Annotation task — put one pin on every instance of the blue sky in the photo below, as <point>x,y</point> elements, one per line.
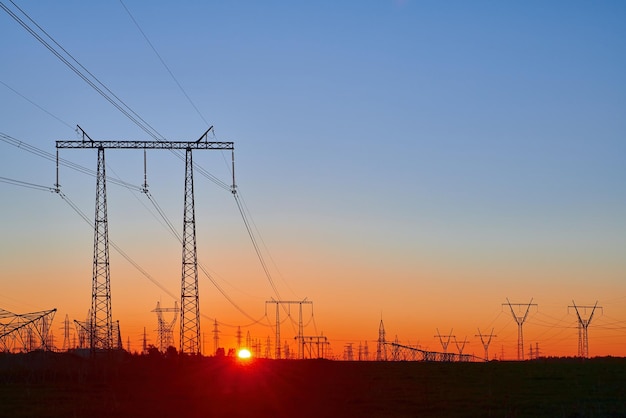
<point>383,148</point>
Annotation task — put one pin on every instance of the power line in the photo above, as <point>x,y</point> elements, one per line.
<point>66,163</point>
<point>26,184</point>
<point>164,63</point>
<point>89,78</point>
<point>36,105</point>
<point>119,104</point>
<point>41,153</point>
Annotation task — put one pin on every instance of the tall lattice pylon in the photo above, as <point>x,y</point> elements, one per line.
<point>101,322</point>
<point>189,300</point>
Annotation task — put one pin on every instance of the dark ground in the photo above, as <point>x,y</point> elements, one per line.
<point>64,385</point>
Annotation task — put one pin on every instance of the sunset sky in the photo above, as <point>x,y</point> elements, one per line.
<point>415,161</point>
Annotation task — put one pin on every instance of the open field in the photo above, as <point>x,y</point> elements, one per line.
<point>64,385</point>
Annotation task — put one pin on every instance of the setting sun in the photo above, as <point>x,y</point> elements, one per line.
<point>244,353</point>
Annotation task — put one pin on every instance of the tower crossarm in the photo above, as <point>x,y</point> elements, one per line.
<point>584,308</point>
<point>146,144</point>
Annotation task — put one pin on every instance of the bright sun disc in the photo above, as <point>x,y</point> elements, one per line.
<point>244,353</point>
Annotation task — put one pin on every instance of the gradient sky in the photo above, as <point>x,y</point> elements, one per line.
<point>418,161</point>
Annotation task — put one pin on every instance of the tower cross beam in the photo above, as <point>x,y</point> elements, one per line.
<point>182,145</point>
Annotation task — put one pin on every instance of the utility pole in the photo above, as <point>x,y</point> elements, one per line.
<point>583,326</point>
<point>485,343</point>
<point>278,303</point>
<point>520,319</point>
<point>101,323</point>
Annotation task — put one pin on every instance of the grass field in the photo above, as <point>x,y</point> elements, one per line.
<point>64,385</point>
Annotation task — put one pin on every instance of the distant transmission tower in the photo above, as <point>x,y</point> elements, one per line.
<point>216,337</point>
<point>144,342</point>
<point>520,319</point>
<point>248,341</point>
<point>268,348</point>
<point>66,333</point>
<point>101,325</point>
<point>165,329</point>
<point>583,326</point>
<point>486,343</point>
<point>460,346</point>
<point>278,303</point>
<point>444,344</point>
<point>381,347</point>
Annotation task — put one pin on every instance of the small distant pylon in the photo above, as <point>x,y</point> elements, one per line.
<point>583,326</point>
<point>486,343</point>
<point>520,319</point>
<point>348,353</point>
<point>381,348</point>
<point>66,333</point>
<point>395,351</point>
<point>268,348</point>
<point>248,340</point>
<point>216,337</point>
<point>144,342</point>
<point>165,329</point>
<point>238,338</point>
<point>444,344</point>
<point>460,346</point>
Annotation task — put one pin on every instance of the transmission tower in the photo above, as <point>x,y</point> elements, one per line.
<point>381,347</point>
<point>101,324</point>
<point>460,346</point>
<point>248,341</point>
<point>216,337</point>
<point>268,347</point>
<point>144,342</point>
<point>189,298</point>
<point>583,326</point>
<point>165,329</point>
<point>520,319</point>
<point>444,344</point>
<point>30,330</point>
<point>486,343</point>
<point>238,337</point>
<point>278,304</point>
<point>66,333</point>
